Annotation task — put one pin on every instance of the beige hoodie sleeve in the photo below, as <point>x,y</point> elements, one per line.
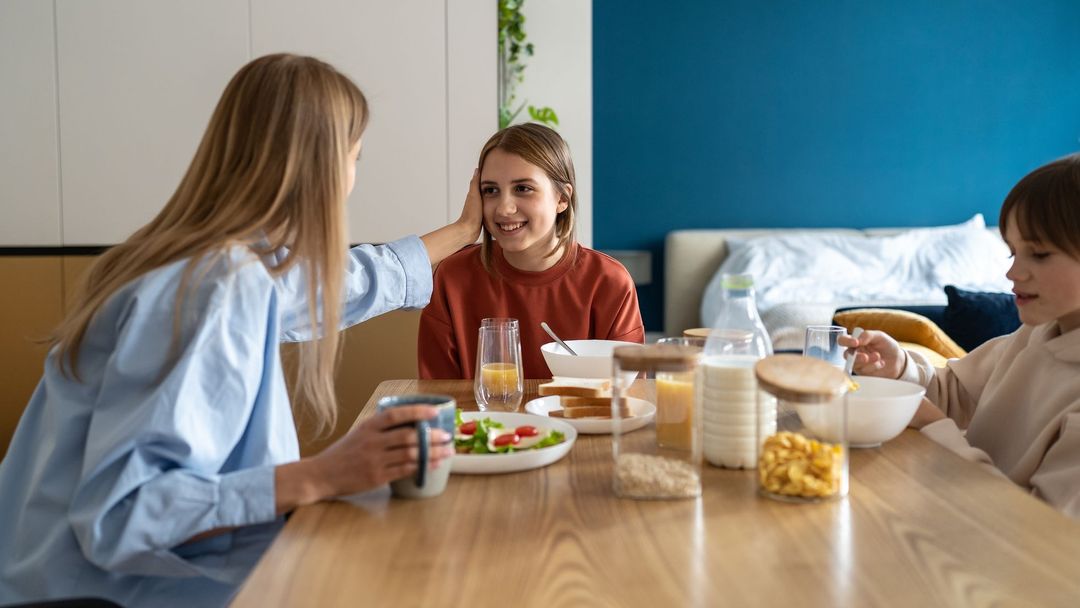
<point>1057,480</point>
<point>945,433</point>
<point>956,388</point>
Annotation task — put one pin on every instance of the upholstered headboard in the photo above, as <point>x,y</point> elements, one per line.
<point>692,257</point>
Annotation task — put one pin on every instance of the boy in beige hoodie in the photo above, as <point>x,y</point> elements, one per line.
<point>1014,402</point>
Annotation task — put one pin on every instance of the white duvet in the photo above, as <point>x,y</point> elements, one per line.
<point>802,278</point>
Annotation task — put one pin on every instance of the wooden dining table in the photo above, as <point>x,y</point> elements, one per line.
<point>920,527</point>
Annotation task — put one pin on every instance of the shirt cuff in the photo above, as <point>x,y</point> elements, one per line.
<point>418,276</point>
<point>246,497</point>
<point>917,368</point>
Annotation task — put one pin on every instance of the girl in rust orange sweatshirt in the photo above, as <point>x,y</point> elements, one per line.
<point>528,265</point>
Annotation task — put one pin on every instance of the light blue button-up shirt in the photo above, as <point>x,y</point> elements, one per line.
<point>106,478</point>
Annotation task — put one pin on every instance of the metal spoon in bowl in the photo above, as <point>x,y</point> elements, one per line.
<point>556,338</point>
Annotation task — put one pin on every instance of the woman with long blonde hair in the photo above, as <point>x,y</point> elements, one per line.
<point>158,454</point>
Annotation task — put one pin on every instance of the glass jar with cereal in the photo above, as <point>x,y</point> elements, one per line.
<point>660,459</point>
<point>802,454</point>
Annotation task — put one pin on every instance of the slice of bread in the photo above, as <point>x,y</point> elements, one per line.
<point>576,387</point>
<point>568,401</point>
<point>599,407</point>
<point>593,411</point>
<point>589,411</point>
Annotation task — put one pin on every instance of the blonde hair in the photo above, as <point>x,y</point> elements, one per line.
<point>270,172</point>
<point>543,147</point>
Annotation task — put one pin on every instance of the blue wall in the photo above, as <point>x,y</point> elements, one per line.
<point>821,113</point>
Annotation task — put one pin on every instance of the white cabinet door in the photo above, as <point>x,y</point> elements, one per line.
<point>472,104</point>
<point>138,81</point>
<point>396,52</point>
<point>29,176</point>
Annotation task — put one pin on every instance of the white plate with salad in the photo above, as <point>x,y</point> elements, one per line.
<point>501,442</point>
<point>642,412</point>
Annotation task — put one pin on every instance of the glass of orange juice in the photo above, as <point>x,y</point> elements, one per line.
<point>498,381</point>
<point>675,401</point>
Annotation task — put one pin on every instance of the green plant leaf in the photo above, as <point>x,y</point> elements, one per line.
<point>511,48</point>
<point>544,115</point>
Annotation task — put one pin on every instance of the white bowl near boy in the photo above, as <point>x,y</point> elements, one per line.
<point>878,411</point>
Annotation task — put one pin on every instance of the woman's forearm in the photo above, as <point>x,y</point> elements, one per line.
<point>297,484</point>
<point>446,240</point>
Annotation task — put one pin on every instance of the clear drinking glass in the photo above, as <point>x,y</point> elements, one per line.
<point>675,416</point>
<point>821,343</point>
<point>497,384</point>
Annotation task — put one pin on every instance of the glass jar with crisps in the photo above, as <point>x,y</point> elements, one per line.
<point>802,454</point>
<point>662,457</point>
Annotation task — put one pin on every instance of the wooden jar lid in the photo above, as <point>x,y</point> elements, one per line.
<point>800,379</point>
<point>657,358</point>
<point>697,332</point>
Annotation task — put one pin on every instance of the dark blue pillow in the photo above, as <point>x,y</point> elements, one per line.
<point>973,317</point>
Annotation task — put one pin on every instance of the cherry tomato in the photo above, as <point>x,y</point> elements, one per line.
<point>526,431</point>
<point>507,439</point>
<point>467,428</point>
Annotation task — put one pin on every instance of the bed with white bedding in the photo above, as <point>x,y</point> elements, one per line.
<point>803,275</point>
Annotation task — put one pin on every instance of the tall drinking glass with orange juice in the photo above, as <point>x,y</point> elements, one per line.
<point>497,384</point>
<point>675,402</point>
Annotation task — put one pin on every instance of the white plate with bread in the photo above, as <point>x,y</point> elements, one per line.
<point>585,404</point>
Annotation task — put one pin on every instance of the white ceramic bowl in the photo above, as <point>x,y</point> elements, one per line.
<point>593,358</point>
<point>878,411</point>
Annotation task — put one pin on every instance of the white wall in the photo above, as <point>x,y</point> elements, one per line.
<point>29,171</point>
<point>138,81</point>
<point>97,134</point>
<point>559,75</point>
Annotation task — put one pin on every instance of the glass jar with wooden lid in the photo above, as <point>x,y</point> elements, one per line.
<point>697,332</point>
<point>802,453</point>
<point>662,457</point>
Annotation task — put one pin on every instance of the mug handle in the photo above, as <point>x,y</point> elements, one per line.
<point>423,436</point>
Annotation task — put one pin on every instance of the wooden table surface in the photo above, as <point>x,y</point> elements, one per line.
<point>921,527</point>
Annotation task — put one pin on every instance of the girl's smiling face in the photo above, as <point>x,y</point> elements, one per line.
<point>1046,281</point>
<point>520,207</point>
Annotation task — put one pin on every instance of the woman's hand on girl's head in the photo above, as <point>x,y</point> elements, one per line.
<point>876,354</point>
<point>463,232</point>
<point>472,213</point>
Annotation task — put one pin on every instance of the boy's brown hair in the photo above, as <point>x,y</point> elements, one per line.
<point>1046,205</point>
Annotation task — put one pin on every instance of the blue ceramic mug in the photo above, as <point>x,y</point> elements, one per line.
<point>426,483</point>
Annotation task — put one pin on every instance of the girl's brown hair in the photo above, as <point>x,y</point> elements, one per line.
<point>269,173</point>
<point>543,147</point>
<point>1046,205</point>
